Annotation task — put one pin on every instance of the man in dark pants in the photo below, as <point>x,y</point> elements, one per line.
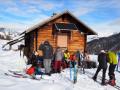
<point>102,59</point>
<point>111,71</point>
<point>113,62</point>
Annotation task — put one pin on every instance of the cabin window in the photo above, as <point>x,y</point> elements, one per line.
<point>65,26</point>
<point>62,41</point>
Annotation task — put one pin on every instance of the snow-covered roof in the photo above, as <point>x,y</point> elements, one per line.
<point>56,16</point>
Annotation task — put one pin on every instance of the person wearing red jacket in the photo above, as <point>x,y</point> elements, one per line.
<point>73,59</point>
<point>31,70</point>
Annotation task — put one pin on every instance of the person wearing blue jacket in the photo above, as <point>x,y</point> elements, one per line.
<point>47,50</point>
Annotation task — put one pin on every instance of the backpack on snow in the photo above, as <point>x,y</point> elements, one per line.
<point>31,70</point>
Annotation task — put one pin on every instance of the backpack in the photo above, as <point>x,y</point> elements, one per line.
<point>31,70</point>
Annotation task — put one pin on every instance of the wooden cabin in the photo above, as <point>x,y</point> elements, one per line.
<point>61,30</point>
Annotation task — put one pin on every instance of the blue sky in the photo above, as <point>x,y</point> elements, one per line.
<point>103,16</point>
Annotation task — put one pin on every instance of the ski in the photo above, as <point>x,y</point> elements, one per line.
<point>17,73</point>
<point>99,77</point>
<point>22,75</point>
<point>17,76</point>
<point>70,70</point>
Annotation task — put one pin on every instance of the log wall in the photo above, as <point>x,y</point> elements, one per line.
<point>76,40</point>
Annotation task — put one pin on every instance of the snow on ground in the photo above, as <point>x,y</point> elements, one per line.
<point>10,60</point>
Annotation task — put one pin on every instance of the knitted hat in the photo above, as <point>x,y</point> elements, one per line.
<point>102,51</point>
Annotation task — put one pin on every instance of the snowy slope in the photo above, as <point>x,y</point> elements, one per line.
<point>10,60</point>
<point>4,32</point>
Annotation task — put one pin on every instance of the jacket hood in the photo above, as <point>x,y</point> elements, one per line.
<point>46,43</point>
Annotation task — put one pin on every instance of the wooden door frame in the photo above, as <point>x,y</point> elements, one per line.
<point>62,34</point>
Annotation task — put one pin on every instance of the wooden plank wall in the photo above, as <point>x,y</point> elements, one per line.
<point>77,41</point>
<point>45,33</point>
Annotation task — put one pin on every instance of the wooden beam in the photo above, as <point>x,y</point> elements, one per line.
<point>14,41</point>
<point>85,42</point>
<point>36,36</point>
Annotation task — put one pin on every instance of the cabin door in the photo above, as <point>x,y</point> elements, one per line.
<point>62,40</point>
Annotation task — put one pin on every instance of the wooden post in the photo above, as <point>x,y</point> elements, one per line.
<point>85,42</point>
<point>36,34</point>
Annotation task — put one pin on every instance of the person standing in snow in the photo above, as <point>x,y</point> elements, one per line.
<point>66,58</point>
<point>113,62</point>
<point>58,60</point>
<point>79,57</point>
<point>102,59</point>
<point>47,50</point>
<point>87,60</point>
<point>73,59</point>
<point>118,65</point>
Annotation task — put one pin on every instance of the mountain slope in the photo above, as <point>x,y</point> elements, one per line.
<point>7,34</point>
<point>107,43</point>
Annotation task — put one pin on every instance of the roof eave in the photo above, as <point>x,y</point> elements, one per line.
<point>44,22</point>
<point>92,32</point>
<point>56,16</point>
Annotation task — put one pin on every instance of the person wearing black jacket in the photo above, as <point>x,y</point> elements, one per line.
<point>47,50</point>
<point>102,59</point>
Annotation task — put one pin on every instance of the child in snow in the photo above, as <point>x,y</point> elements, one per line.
<point>35,69</point>
<point>38,72</point>
<point>31,71</point>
